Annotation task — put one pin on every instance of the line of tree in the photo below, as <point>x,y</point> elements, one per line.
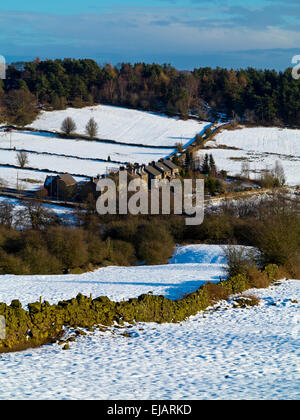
<point>34,240</point>
<point>256,96</point>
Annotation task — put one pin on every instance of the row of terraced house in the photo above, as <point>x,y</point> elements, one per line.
<point>65,187</point>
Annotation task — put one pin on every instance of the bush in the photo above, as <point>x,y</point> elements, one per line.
<point>123,253</point>
<point>272,272</point>
<point>216,292</point>
<point>257,279</point>
<point>10,264</point>
<point>68,245</point>
<point>155,245</point>
<point>236,284</point>
<point>20,107</point>
<point>97,251</point>
<point>278,240</point>
<point>239,260</point>
<point>40,261</point>
<point>246,301</point>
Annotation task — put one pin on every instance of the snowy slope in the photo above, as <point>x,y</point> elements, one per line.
<point>232,162</point>
<point>229,353</point>
<point>263,139</point>
<point>125,125</point>
<point>57,163</point>
<point>173,280</point>
<point>261,147</point>
<point>225,354</point>
<point>46,143</point>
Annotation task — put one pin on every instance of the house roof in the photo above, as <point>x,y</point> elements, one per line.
<point>67,179</point>
<point>162,167</point>
<point>151,170</point>
<point>170,164</point>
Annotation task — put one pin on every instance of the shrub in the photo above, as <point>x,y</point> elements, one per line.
<point>239,260</point>
<point>20,107</point>
<point>123,253</point>
<point>97,250</point>
<point>155,245</point>
<point>40,261</point>
<point>278,240</point>
<point>257,279</point>
<point>272,272</point>
<point>154,252</point>
<point>246,301</point>
<point>10,264</point>
<point>216,292</point>
<point>236,284</point>
<point>68,245</point>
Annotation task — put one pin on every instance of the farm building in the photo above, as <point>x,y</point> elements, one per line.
<point>62,187</point>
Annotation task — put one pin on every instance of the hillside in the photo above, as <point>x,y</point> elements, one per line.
<point>125,125</point>
<point>260,147</point>
<point>220,354</point>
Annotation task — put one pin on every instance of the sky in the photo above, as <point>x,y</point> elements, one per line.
<point>184,33</point>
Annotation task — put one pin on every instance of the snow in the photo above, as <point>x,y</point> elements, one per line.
<point>125,125</point>
<point>9,177</point>
<point>82,158</point>
<point>232,161</point>
<point>173,280</point>
<point>220,354</point>
<point>261,147</point>
<point>58,164</point>
<point>263,139</point>
<point>86,149</point>
<point>64,213</point>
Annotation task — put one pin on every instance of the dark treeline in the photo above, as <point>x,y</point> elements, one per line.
<point>255,96</point>
<point>33,240</point>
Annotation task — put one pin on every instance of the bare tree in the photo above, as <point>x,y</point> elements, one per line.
<point>279,173</point>
<point>6,214</point>
<point>68,126</point>
<point>246,169</point>
<point>22,159</point>
<point>179,147</point>
<point>92,128</point>
<point>35,215</point>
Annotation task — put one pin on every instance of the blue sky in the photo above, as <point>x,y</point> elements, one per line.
<point>186,33</point>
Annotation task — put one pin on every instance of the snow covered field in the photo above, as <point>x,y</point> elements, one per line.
<point>198,264</point>
<point>261,147</point>
<point>263,139</point>
<point>77,157</point>
<point>47,143</point>
<point>125,125</point>
<point>59,164</point>
<point>228,353</point>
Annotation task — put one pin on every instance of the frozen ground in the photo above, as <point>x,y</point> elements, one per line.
<point>198,264</point>
<point>263,139</point>
<point>25,178</point>
<point>125,125</point>
<point>229,353</point>
<point>46,143</point>
<point>58,164</point>
<point>261,147</point>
